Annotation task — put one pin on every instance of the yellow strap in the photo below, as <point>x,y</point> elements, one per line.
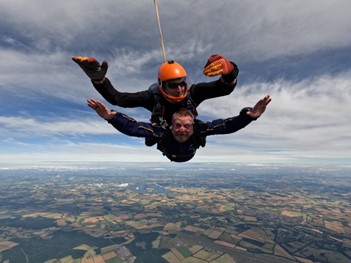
<point>159,28</point>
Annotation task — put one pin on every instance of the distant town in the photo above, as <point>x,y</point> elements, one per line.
<point>201,215</point>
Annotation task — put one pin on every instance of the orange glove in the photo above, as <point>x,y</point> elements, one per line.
<point>217,65</point>
<point>92,67</point>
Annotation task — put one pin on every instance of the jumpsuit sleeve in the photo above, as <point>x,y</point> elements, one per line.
<point>125,99</point>
<point>208,90</point>
<point>225,126</point>
<point>131,127</point>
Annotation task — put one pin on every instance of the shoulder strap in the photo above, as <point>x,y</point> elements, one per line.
<point>191,105</point>
<point>158,109</point>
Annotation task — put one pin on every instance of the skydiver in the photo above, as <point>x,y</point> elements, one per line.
<point>170,93</point>
<point>180,142</point>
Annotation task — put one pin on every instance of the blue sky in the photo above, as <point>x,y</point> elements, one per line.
<point>299,52</point>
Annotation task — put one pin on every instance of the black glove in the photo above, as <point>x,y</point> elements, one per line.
<point>92,67</point>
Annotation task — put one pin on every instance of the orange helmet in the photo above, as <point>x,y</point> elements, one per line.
<point>171,70</point>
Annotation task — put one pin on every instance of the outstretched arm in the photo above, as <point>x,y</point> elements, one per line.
<point>124,99</point>
<point>259,108</point>
<point>101,109</point>
<point>124,123</point>
<point>233,124</point>
<point>96,72</point>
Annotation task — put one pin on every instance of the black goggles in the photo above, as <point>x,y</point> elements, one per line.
<point>175,85</point>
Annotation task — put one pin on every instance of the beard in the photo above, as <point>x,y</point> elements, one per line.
<point>181,137</point>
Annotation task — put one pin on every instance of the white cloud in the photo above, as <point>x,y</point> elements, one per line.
<point>84,152</point>
<point>307,118</point>
<point>29,127</point>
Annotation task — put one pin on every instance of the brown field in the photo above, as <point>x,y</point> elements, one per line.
<point>178,255</point>
<point>225,258</point>
<point>335,226</point>
<point>109,255</point>
<point>226,244</point>
<point>5,245</point>
<point>193,229</point>
<point>172,227</point>
<point>240,248</point>
<point>291,213</point>
<point>195,248</point>
<point>258,235</point>
<point>249,218</point>
<point>44,214</point>
<point>214,233</point>
<point>171,258</point>
<point>94,219</point>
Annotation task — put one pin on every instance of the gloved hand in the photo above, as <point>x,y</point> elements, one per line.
<point>217,65</point>
<point>92,67</point>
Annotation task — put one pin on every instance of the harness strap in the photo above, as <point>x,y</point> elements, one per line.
<point>157,115</point>
<point>190,105</point>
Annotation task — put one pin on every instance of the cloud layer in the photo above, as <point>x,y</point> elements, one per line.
<point>298,52</point>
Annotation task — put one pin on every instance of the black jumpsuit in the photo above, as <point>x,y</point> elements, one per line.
<point>198,93</point>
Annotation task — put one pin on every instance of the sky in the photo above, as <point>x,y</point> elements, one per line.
<point>298,52</point>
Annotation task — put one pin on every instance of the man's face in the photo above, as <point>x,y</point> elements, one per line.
<point>182,128</point>
<point>176,87</point>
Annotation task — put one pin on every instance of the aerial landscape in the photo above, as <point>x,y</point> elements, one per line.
<point>196,213</point>
<point>83,82</point>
